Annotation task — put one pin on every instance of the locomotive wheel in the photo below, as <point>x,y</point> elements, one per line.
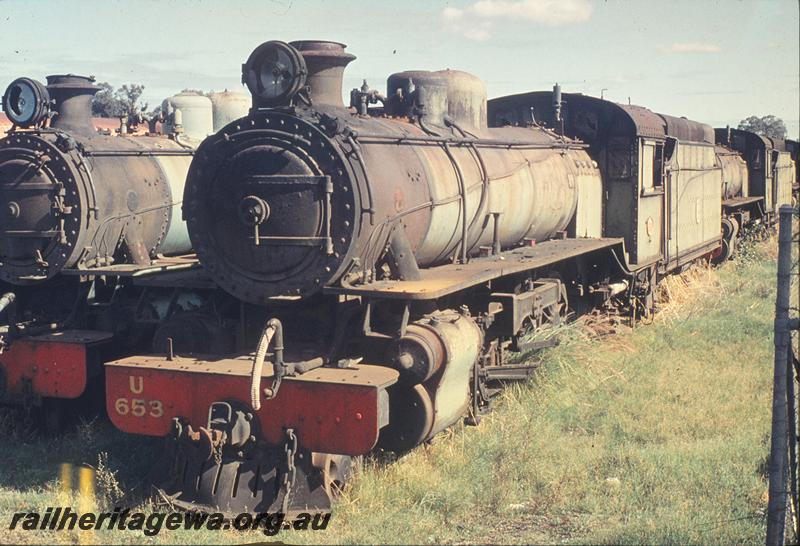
<point>556,314</point>
<point>411,418</point>
<point>336,470</point>
<point>723,254</point>
<point>729,230</point>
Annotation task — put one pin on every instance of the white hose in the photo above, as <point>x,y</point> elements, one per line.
<point>258,364</point>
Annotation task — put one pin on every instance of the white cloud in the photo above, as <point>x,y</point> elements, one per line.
<point>452,14</point>
<point>476,21</point>
<point>691,47</point>
<point>543,12</point>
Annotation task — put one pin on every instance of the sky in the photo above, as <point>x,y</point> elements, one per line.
<point>714,61</point>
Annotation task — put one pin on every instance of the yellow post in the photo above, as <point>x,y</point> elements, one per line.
<point>85,499</point>
<point>85,489</point>
<point>65,478</point>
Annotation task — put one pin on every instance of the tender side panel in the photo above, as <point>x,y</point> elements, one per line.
<point>695,202</point>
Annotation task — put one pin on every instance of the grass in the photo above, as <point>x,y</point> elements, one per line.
<point>654,435</point>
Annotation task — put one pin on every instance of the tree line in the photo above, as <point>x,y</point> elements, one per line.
<point>111,102</point>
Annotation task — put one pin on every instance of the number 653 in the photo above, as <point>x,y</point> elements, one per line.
<point>139,407</point>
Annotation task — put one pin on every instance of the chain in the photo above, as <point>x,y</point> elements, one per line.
<point>289,476</point>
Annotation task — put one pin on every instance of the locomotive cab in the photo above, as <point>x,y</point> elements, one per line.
<point>660,173</point>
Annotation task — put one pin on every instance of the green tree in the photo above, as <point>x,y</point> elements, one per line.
<point>105,103</point>
<point>114,103</point>
<point>129,95</point>
<point>198,92</point>
<point>770,126</point>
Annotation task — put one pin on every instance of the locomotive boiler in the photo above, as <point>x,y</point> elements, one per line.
<point>73,200</point>
<point>291,200</point>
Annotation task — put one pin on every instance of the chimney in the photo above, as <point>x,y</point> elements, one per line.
<point>73,102</point>
<point>325,62</point>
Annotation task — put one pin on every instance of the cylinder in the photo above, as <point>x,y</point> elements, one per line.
<point>447,344</point>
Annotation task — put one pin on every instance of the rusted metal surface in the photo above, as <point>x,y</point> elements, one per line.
<point>52,365</point>
<point>334,410</point>
<point>73,101</point>
<point>771,170</point>
<point>253,477</point>
<point>73,198</point>
<point>458,95</point>
<point>646,122</point>
<point>189,278</point>
<point>160,264</point>
<point>694,200</point>
<point>326,62</point>
<point>436,354</point>
<point>436,282</point>
<point>633,146</point>
<point>687,130</point>
<point>736,202</point>
<point>734,173</point>
<point>449,182</point>
<point>612,117</point>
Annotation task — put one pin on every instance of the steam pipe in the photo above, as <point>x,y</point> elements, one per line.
<point>6,300</point>
<point>463,190</point>
<point>557,102</point>
<point>273,328</point>
<point>482,142</point>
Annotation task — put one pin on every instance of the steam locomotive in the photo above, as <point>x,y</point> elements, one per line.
<point>82,215</point>
<point>389,256</point>
<point>384,259</point>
